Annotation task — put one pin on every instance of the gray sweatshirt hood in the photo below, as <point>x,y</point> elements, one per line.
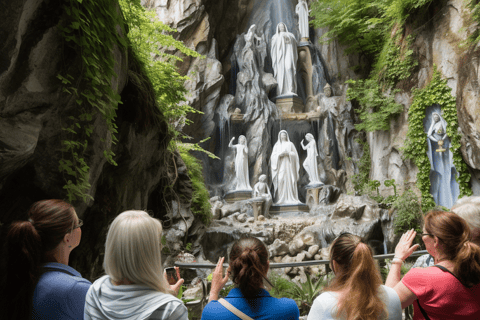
<point>107,301</point>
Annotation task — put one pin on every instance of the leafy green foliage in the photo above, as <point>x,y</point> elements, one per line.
<point>409,213</point>
<point>360,179</point>
<point>201,206</point>
<point>359,24</point>
<point>90,29</point>
<point>474,6</point>
<point>306,293</point>
<point>436,92</point>
<point>376,108</point>
<point>150,38</point>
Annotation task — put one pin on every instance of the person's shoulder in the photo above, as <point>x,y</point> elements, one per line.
<point>287,307</point>
<point>173,309</point>
<point>215,310</point>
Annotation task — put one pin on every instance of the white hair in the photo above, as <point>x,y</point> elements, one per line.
<point>469,209</point>
<point>133,250</point>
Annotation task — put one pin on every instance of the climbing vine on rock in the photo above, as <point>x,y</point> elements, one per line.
<point>89,28</point>
<point>436,92</point>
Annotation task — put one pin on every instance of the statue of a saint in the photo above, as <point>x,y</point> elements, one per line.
<point>241,163</point>
<point>262,190</point>
<point>285,167</point>
<point>443,185</point>
<point>284,60</point>
<point>310,163</point>
<point>438,131</point>
<point>302,11</point>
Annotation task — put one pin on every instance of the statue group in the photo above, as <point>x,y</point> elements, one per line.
<point>284,166</point>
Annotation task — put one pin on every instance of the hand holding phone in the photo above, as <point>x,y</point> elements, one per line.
<point>172,276</point>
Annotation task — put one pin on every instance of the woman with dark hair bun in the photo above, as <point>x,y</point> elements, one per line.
<point>249,300</point>
<point>356,292</point>
<point>38,283</point>
<point>451,288</point>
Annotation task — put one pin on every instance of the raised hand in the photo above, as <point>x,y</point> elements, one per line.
<point>218,280</point>
<point>404,247</point>
<point>175,287</point>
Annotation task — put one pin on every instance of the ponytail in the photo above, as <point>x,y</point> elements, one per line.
<point>467,264</point>
<point>28,244</point>
<point>249,265</point>
<point>358,275</point>
<point>454,233</point>
<point>23,257</point>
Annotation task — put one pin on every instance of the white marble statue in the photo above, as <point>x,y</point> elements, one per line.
<point>285,168</point>
<point>262,190</point>
<point>302,11</point>
<point>284,60</point>
<point>241,163</point>
<point>310,164</point>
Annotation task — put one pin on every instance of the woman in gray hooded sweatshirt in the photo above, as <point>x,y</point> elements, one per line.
<point>134,287</point>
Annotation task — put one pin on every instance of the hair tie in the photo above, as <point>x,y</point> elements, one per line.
<point>30,220</point>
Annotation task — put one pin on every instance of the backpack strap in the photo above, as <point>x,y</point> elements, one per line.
<point>234,310</point>
<point>425,315</point>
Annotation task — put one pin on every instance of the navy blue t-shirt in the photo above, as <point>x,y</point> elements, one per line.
<point>60,293</point>
<point>262,307</point>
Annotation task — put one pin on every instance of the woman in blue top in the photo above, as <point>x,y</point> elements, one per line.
<point>248,267</point>
<point>38,283</point>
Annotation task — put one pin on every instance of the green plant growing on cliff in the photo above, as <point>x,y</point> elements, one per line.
<point>436,92</point>
<point>408,213</point>
<point>94,29</point>
<point>360,179</point>
<point>201,206</point>
<point>90,29</point>
<point>474,7</point>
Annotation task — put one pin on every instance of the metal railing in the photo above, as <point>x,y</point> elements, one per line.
<point>290,264</point>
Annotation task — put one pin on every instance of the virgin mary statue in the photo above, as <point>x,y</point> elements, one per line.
<point>285,167</point>
<point>284,60</point>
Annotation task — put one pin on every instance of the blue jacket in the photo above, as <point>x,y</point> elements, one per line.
<point>262,307</point>
<point>60,293</point>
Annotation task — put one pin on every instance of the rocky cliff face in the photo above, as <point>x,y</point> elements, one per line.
<point>438,42</point>
<point>33,110</point>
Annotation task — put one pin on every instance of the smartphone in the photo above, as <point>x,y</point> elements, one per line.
<point>171,275</point>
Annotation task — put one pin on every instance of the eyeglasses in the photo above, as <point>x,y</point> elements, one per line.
<point>79,224</point>
<point>427,234</point>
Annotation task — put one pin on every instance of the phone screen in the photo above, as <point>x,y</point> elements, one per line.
<point>171,275</point>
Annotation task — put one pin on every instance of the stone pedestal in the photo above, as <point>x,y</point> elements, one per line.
<point>257,205</point>
<point>313,193</point>
<point>236,117</point>
<point>289,104</point>
<point>237,195</point>
<point>300,207</point>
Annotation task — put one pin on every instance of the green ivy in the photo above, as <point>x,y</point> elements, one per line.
<point>201,206</point>
<point>408,213</point>
<point>89,28</point>
<point>474,6</point>
<point>360,179</point>
<point>436,92</point>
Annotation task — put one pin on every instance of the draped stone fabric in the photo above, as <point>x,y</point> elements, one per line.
<point>302,11</point>
<point>310,163</point>
<point>241,164</point>
<point>284,60</point>
<point>285,168</point>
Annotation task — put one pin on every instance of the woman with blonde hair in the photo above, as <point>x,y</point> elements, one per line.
<point>356,292</point>
<point>451,288</point>
<point>135,286</point>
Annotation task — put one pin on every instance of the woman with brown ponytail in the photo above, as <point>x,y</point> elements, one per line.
<point>38,283</point>
<point>356,292</point>
<point>249,300</point>
<point>450,289</point>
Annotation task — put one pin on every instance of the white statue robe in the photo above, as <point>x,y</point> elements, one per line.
<point>302,11</point>
<point>285,171</point>
<point>284,60</point>
<point>241,167</point>
<point>310,163</point>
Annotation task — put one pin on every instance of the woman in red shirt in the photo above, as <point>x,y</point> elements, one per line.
<point>450,289</point>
